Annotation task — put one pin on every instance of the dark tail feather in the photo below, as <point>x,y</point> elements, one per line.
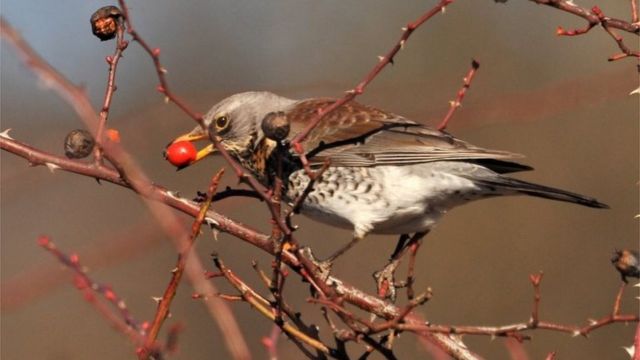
<point>541,191</point>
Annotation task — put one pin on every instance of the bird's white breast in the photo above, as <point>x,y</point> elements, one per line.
<point>382,199</point>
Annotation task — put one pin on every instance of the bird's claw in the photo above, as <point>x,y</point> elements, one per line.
<point>323,267</point>
<point>386,282</point>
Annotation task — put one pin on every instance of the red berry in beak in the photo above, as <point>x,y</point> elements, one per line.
<point>180,153</point>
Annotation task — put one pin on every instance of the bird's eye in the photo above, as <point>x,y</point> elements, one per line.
<point>221,123</point>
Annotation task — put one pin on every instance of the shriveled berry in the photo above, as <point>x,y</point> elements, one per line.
<point>78,144</point>
<point>105,22</point>
<point>627,262</point>
<point>180,153</point>
<point>275,126</point>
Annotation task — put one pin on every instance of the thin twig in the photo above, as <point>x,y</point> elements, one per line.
<point>122,321</point>
<point>260,304</point>
<point>168,221</point>
<point>596,17</point>
<point>455,104</point>
<point>296,142</point>
<point>112,61</point>
<point>154,53</point>
<point>164,304</point>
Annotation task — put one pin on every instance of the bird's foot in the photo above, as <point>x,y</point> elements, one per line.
<point>323,267</point>
<point>386,282</point>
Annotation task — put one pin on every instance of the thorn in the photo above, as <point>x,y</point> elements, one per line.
<point>167,100</point>
<point>402,44</point>
<point>404,28</point>
<point>174,270</point>
<point>380,58</point>
<point>443,9</point>
<point>52,167</point>
<point>5,134</point>
<point>163,70</point>
<point>122,305</point>
<point>215,234</point>
<point>570,2</point>
<point>630,350</point>
<point>157,299</point>
<point>636,91</point>
<point>575,333</point>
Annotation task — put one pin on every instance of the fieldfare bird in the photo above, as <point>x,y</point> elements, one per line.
<point>387,174</point>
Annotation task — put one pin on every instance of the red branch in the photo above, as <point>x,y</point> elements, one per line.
<point>112,61</point>
<point>455,104</point>
<point>154,53</point>
<point>333,291</point>
<point>595,17</point>
<point>347,292</point>
<point>359,89</point>
<point>162,312</point>
<point>516,330</point>
<point>126,173</point>
<point>84,283</point>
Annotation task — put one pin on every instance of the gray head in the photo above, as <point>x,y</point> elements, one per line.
<point>236,121</point>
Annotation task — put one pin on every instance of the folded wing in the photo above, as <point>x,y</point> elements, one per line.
<point>358,135</point>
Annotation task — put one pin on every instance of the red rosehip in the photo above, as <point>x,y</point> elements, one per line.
<point>180,153</point>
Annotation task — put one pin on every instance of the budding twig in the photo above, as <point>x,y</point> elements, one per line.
<point>164,304</point>
<point>455,104</point>
<point>112,61</point>
<point>123,321</point>
<point>359,89</point>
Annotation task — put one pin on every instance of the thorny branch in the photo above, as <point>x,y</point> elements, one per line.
<point>164,303</point>
<point>124,172</point>
<point>534,322</point>
<point>455,104</point>
<point>333,293</point>
<point>264,307</point>
<point>348,293</point>
<point>83,282</point>
<point>596,17</point>
<point>112,61</point>
<point>359,89</point>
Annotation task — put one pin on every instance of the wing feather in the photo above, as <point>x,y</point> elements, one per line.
<point>358,135</point>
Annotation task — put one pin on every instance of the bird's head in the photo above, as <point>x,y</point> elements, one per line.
<point>235,122</point>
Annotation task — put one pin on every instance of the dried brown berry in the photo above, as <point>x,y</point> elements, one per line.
<point>105,22</point>
<point>275,126</point>
<point>78,144</point>
<point>627,263</point>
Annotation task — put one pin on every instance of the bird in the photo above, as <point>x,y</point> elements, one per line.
<point>386,174</point>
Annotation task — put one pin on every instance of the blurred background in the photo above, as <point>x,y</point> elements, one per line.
<point>555,99</point>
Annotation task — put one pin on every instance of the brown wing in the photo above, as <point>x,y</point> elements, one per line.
<point>358,135</point>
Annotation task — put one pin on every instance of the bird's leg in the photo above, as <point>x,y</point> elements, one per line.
<point>325,265</point>
<point>344,249</point>
<point>385,278</point>
<point>400,246</point>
